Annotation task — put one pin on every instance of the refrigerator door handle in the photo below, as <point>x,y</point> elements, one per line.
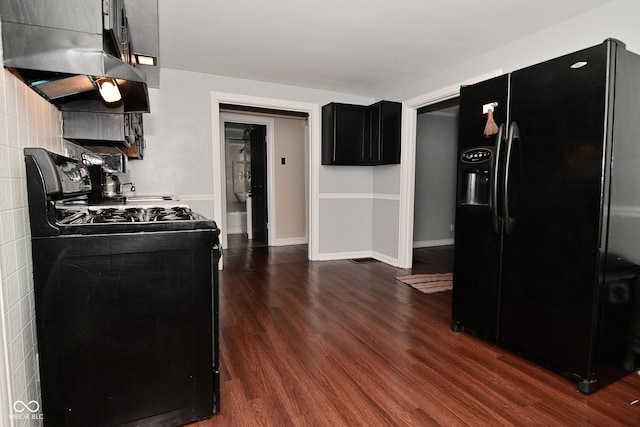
<point>513,136</point>
<point>493,196</point>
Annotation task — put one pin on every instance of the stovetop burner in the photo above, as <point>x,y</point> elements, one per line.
<point>109,215</point>
<point>175,214</point>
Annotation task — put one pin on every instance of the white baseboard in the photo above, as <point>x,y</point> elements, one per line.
<point>430,243</point>
<point>290,241</point>
<point>333,256</point>
<point>385,258</point>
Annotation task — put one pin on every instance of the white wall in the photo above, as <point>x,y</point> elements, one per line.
<point>619,19</point>
<point>290,182</point>
<point>386,201</point>
<point>178,154</point>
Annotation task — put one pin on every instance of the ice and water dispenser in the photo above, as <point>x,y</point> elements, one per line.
<point>475,169</point>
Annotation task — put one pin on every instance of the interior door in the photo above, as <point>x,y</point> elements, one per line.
<point>554,200</point>
<point>259,216</point>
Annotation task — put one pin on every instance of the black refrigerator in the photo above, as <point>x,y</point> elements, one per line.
<point>547,235</point>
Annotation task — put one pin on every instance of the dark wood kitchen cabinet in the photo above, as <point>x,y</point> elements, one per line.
<point>343,134</point>
<point>358,135</point>
<point>385,124</point>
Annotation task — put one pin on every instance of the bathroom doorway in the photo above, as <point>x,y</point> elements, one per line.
<point>275,213</point>
<point>246,183</point>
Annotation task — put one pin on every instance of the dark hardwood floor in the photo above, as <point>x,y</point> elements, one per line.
<point>339,343</point>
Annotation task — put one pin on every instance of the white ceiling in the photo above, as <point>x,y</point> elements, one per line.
<point>363,47</point>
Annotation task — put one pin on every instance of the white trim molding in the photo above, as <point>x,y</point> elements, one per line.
<point>432,243</point>
<point>291,241</point>
<point>314,121</point>
<point>195,197</point>
<point>385,258</point>
<point>624,211</point>
<point>372,196</point>
<point>332,256</point>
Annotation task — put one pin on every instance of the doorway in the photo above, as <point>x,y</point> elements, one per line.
<point>435,179</point>
<point>264,157</point>
<point>408,164</point>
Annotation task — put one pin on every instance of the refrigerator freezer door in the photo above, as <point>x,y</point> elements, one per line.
<point>477,250</point>
<point>550,254</point>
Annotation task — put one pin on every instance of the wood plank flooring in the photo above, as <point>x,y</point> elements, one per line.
<point>338,343</point>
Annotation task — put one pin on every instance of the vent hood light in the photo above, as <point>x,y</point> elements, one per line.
<point>109,90</point>
<point>146,60</point>
<point>579,64</point>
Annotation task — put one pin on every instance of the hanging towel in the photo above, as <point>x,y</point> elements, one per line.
<point>491,128</point>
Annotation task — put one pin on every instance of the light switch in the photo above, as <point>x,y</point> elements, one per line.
<point>282,161</point>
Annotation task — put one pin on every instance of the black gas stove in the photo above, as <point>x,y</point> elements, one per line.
<point>126,300</point>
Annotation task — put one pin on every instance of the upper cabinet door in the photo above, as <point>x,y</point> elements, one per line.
<point>385,123</point>
<point>343,134</point>
<point>359,135</point>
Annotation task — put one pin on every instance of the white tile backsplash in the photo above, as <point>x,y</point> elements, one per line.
<point>12,290</point>
<point>19,380</point>
<point>29,363</point>
<point>25,139</point>
<point>10,94</point>
<point>24,102</point>
<point>16,350</point>
<point>3,108</point>
<point>16,162</point>
<point>8,228</point>
<point>4,160</point>
<point>13,134</point>
<point>14,327</point>
<point>25,311</point>
<point>26,120</point>
<point>18,222</point>
<point>9,259</point>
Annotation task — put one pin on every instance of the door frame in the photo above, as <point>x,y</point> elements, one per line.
<point>408,160</point>
<point>314,137</point>
<point>248,119</point>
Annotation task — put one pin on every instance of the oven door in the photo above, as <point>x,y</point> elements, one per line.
<point>125,327</point>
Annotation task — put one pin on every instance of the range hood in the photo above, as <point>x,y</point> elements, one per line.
<point>62,49</point>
